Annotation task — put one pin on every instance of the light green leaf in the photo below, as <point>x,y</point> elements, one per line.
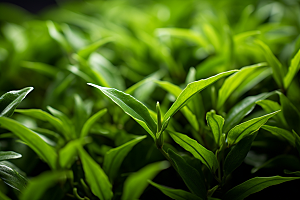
<point>293,70</point>
<point>273,63</point>
<point>176,194</point>
<point>39,185</point>
<point>191,177</point>
<point>137,182</point>
<point>132,107</point>
<point>247,128</point>
<point>42,68</point>
<point>281,133</point>
<point>238,153</point>
<point>242,109</point>
<point>75,70</point>
<point>12,178</point>
<point>86,51</point>
<point>95,176</point>
<point>216,123</point>
<point>114,157</point>
<point>234,81</point>
<point>205,156</point>
<point>191,90</point>
<point>89,123</point>
<point>10,100</point>
<point>254,185</point>
<point>44,116</point>
<point>57,36</point>
<point>35,142</point>
<point>6,155</point>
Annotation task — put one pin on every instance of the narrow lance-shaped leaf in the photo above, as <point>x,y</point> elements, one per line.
<point>89,123</point>
<point>234,81</point>
<point>205,156</point>
<point>216,123</point>
<point>10,100</point>
<point>191,90</point>
<point>254,185</point>
<point>6,155</point>
<point>293,70</point>
<point>281,133</point>
<point>86,51</point>
<point>137,182</point>
<point>95,176</point>
<point>238,153</point>
<point>176,194</point>
<point>35,142</point>
<point>242,109</point>
<point>114,157</point>
<point>132,107</point>
<point>247,128</point>
<point>12,178</point>
<point>191,177</point>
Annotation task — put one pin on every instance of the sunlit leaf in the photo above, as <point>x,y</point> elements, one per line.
<point>293,70</point>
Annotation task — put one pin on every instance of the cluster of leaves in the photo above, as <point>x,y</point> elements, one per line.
<point>188,72</point>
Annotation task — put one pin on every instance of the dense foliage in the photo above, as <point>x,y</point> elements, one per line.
<point>150,100</point>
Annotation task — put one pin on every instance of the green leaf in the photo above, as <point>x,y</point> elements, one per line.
<point>290,113</point>
<point>205,156</point>
<point>95,176</point>
<point>3,196</point>
<point>10,100</point>
<point>273,63</point>
<point>42,68</point>
<point>216,123</point>
<point>242,109</point>
<point>39,185</point>
<point>44,116</point>
<point>176,194</point>
<point>132,107</point>
<point>12,178</point>
<point>6,155</point>
<point>35,142</point>
<point>238,153</point>
<point>293,70</point>
<point>114,157</point>
<point>234,81</point>
<point>86,51</point>
<point>281,133</point>
<point>247,128</point>
<point>191,177</point>
<point>297,141</point>
<point>191,90</point>
<point>89,123</point>
<point>137,182</point>
<point>254,185</point>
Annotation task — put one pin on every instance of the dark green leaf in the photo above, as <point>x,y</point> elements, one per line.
<point>3,196</point>
<point>205,156</point>
<point>254,185</point>
<point>281,133</point>
<point>12,178</point>
<point>95,176</point>
<point>10,100</point>
<point>216,123</point>
<point>114,157</point>
<point>132,107</point>
<point>293,70</point>
<point>191,177</point>
<point>34,141</point>
<point>247,128</point>
<point>176,194</point>
<point>6,155</point>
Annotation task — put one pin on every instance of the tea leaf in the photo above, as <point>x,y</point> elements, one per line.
<point>238,153</point>
<point>175,193</point>
<point>281,133</point>
<point>255,185</point>
<point>247,128</point>
<point>293,70</point>
<point>234,81</point>
<point>95,176</point>
<point>136,183</point>
<point>114,157</point>
<point>6,155</point>
<point>86,51</point>
<point>191,90</point>
<point>191,177</point>
<point>35,142</point>
<point>10,100</point>
<point>205,156</point>
<point>43,68</point>
<point>242,109</point>
<point>132,107</point>
<point>89,123</point>
<point>216,123</point>
<point>12,178</point>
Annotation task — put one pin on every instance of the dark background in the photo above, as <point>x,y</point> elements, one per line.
<point>33,6</point>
